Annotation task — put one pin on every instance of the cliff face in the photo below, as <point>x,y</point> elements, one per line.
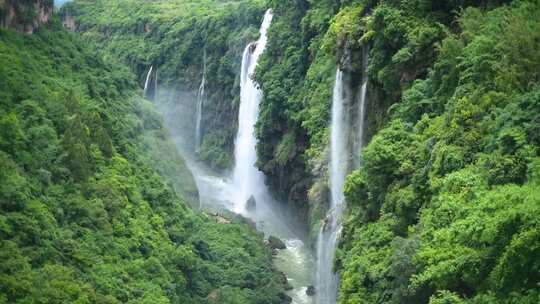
<point>25,15</point>
<point>68,21</point>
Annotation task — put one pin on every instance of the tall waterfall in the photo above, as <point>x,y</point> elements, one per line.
<point>247,179</point>
<point>326,279</point>
<point>200,104</point>
<point>342,147</point>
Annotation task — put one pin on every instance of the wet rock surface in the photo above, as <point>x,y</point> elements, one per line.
<point>275,243</point>
<point>251,204</point>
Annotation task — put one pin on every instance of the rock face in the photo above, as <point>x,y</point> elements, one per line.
<point>285,281</point>
<point>275,243</point>
<point>284,298</point>
<point>25,16</point>
<point>68,21</point>
<point>213,297</point>
<point>251,204</point>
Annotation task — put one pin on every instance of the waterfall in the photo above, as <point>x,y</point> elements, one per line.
<point>200,104</point>
<point>148,85</point>
<point>327,281</point>
<point>222,192</point>
<point>362,105</point>
<point>247,179</point>
<point>147,80</point>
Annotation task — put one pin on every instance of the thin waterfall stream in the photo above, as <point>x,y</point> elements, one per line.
<point>200,103</point>
<point>147,82</point>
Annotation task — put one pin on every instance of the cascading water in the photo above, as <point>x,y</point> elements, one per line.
<point>147,82</point>
<point>326,279</point>
<point>218,193</point>
<point>362,105</point>
<point>200,104</point>
<point>247,179</point>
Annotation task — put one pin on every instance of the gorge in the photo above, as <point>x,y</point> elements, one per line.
<point>270,151</point>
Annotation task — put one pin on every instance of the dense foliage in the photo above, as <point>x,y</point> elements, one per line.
<point>446,207</point>
<point>93,196</point>
<point>176,37</point>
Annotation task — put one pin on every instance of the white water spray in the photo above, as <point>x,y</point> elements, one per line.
<point>247,179</point>
<point>200,103</point>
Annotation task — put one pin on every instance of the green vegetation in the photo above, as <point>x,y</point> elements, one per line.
<point>93,197</point>
<point>174,36</point>
<point>446,207</point>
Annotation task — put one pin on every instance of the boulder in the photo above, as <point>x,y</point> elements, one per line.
<point>244,220</point>
<point>251,204</point>
<point>284,281</point>
<point>276,243</point>
<point>284,298</point>
<point>310,291</point>
<point>213,297</point>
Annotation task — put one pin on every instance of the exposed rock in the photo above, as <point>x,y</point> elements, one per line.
<point>276,243</point>
<point>252,47</point>
<point>285,299</point>
<point>285,281</point>
<point>220,219</point>
<point>310,291</point>
<point>213,296</point>
<point>68,21</point>
<point>245,220</point>
<point>25,16</point>
<point>251,204</point>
